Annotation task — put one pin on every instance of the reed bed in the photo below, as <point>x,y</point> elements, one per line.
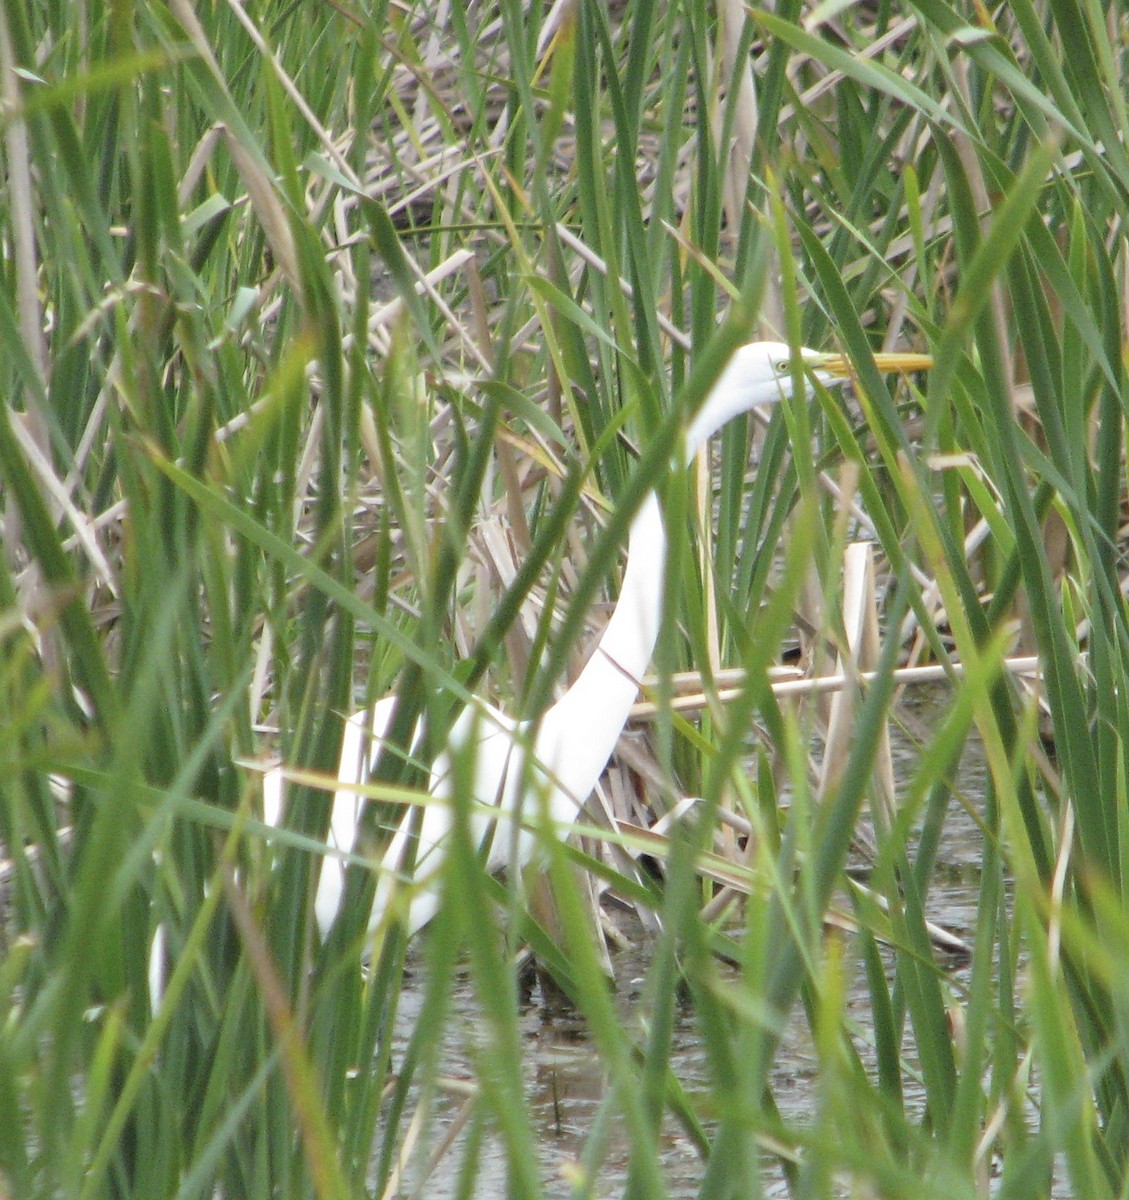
<point>340,342</point>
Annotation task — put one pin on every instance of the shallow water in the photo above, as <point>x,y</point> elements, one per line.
<point>565,1083</point>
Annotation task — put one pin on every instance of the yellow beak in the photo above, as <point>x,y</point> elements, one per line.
<point>903,363</point>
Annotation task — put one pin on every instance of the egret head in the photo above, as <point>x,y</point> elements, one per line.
<point>760,373</point>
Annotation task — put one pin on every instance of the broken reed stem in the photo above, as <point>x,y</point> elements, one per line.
<point>646,710</point>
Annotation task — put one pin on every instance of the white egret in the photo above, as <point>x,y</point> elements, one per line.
<point>574,738</point>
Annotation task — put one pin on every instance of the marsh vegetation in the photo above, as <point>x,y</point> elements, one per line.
<point>339,343</point>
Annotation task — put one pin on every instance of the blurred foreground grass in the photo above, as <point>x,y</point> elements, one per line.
<point>316,322</point>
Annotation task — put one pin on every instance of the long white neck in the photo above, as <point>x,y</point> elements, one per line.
<point>624,650</point>
<point>579,732</point>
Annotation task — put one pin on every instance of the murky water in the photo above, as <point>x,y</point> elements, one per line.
<point>565,1083</point>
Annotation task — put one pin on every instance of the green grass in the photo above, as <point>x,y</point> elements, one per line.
<point>255,473</point>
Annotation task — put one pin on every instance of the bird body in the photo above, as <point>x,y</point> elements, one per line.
<point>572,744</point>
<point>574,739</point>
<point>494,737</point>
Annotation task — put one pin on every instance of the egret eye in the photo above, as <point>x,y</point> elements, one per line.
<point>576,736</point>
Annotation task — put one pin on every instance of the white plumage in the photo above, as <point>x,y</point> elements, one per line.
<point>576,735</point>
